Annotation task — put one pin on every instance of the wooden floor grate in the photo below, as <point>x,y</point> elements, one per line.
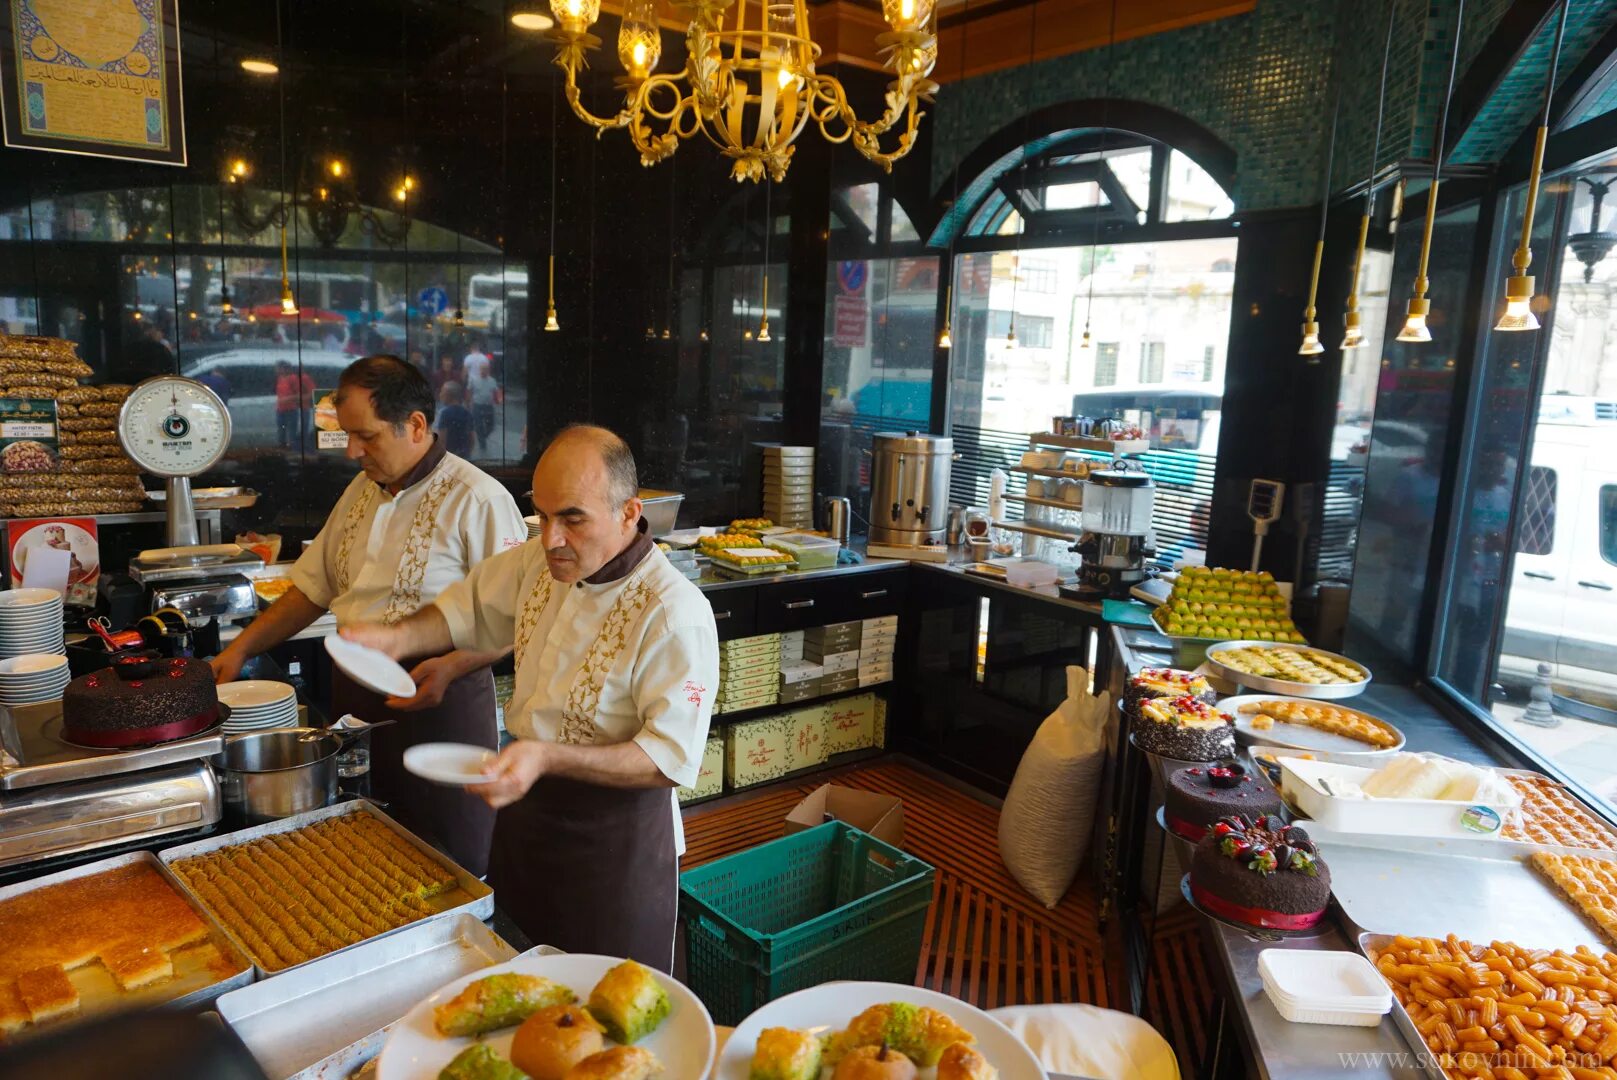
<point>987,941</point>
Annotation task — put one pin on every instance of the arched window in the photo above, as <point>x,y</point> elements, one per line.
<point>1093,277</point>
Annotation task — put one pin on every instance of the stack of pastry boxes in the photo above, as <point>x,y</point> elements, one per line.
<point>876,641</point>
<point>756,751</point>
<point>835,649</point>
<point>789,486</point>
<point>749,669</point>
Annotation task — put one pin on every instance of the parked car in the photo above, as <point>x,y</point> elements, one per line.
<point>1563,588</point>
<point>249,374</point>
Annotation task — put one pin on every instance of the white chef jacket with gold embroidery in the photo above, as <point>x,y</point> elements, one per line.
<point>636,658</point>
<point>380,557</point>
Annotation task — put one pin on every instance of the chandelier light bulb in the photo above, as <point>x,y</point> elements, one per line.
<point>1415,330</point>
<point>1310,345</point>
<point>576,15</point>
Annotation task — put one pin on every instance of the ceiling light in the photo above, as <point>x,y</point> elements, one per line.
<point>255,66</point>
<point>1353,335</point>
<point>289,304</point>
<point>1519,287</point>
<point>1353,338</point>
<point>946,339</point>
<point>1311,345</point>
<point>1415,329</point>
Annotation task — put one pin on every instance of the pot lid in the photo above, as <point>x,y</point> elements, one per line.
<point>911,442</point>
<point>1110,478</point>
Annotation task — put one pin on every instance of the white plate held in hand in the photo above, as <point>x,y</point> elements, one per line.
<point>370,668</point>
<point>449,763</point>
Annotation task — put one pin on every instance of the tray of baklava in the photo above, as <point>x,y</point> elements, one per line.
<point>109,935</point>
<point>294,890</point>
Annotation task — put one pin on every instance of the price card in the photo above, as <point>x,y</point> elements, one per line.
<point>28,439</point>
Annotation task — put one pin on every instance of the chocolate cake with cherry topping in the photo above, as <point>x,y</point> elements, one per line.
<point>1166,682</point>
<point>1186,728</point>
<point>138,701</point>
<point>1198,795</point>
<point>1260,872</point>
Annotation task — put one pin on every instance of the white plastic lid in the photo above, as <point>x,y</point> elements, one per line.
<point>1320,979</point>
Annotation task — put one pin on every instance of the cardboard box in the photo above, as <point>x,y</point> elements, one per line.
<point>807,747</point>
<point>874,678</point>
<point>807,690</point>
<point>880,726</point>
<point>756,751</point>
<point>837,661</point>
<point>799,670</point>
<point>882,816</point>
<point>710,781</point>
<point>881,622</point>
<point>850,723</point>
<point>748,686</point>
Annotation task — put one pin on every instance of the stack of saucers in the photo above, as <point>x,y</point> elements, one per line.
<point>30,622</point>
<point>535,525</point>
<point>32,678</point>
<point>258,705</point>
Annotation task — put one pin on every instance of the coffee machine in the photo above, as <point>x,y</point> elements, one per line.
<point>1115,541</point>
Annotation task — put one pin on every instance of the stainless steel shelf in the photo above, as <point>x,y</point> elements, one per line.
<point>1035,530</point>
<point>1036,500</point>
<point>1084,442</point>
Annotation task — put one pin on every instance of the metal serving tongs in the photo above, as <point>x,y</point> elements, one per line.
<point>347,727</point>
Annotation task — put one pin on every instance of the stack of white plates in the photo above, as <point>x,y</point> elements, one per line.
<point>535,525</point>
<point>33,677</point>
<point>30,622</point>
<point>258,705</point>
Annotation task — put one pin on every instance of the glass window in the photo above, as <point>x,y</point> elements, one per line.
<point>1209,354</point>
<point>1535,535</point>
<point>1152,354</point>
<point>1106,364</point>
<point>1032,331</point>
<point>1608,523</point>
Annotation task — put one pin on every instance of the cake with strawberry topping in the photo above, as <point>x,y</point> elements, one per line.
<point>1186,728</point>
<point>1198,795</point>
<point>1258,871</point>
<point>1166,682</point>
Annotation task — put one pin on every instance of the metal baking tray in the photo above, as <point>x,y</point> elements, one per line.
<point>213,498</point>
<point>475,898</point>
<point>295,1023</point>
<point>1480,890</point>
<point>1400,1015</point>
<point>1317,692</point>
<point>32,735</point>
<point>193,984</point>
<point>62,819</point>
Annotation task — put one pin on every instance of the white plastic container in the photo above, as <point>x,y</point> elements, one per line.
<point>1308,785</point>
<point>1029,573</point>
<point>1312,987</point>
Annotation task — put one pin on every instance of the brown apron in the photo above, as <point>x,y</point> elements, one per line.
<point>590,869</point>
<point>460,822</point>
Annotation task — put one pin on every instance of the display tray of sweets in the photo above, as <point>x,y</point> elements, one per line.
<point>1551,815</point>
<point>109,935</point>
<point>314,884</point>
<point>1295,670</point>
<point>1307,724</point>
<point>751,560</point>
<point>1492,1007</point>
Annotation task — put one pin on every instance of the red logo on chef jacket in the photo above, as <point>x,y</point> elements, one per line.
<point>695,693</point>
<point>760,754</point>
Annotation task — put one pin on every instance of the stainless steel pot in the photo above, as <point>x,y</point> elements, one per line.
<point>909,488</point>
<point>266,775</point>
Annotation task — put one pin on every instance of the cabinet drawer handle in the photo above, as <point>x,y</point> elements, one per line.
<point>798,605</point>
<point>718,615</point>
<point>874,594</point>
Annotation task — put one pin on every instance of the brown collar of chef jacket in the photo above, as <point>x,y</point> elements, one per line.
<point>423,468</point>
<point>626,560</point>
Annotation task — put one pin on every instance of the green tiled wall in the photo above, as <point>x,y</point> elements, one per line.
<point>1262,83</point>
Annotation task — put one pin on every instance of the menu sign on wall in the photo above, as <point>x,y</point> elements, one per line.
<point>28,442</point>
<point>98,77</point>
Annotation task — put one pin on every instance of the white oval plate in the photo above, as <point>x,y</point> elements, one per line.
<point>32,663</point>
<point>449,763</point>
<point>253,694</point>
<point>684,1042</point>
<point>1300,736</point>
<point>832,1006</point>
<point>370,668</point>
<point>27,598</point>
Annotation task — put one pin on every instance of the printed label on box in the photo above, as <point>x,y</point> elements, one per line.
<point>808,738</point>
<point>849,723</point>
<point>756,751</point>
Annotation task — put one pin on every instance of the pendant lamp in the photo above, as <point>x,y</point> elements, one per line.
<point>1415,330</point>
<point>1311,344</point>
<point>1353,335</point>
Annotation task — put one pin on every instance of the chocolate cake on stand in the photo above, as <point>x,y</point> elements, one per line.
<point>1260,873</point>
<point>139,701</point>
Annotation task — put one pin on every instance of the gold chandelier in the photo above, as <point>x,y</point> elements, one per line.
<point>749,82</point>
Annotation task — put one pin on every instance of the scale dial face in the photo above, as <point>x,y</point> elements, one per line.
<point>174,426</point>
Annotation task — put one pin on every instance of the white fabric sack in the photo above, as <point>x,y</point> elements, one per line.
<point>1044,827</point>
<point>1086,1040</point>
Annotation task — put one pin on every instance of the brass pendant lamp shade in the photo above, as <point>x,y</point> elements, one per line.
<point>1415,330</point>
<point>1519,286</point>
<point>1353,326</point>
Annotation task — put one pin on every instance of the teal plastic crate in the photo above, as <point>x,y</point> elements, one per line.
<point>827,903</point>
